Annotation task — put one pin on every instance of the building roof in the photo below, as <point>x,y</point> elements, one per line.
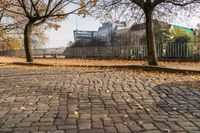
<point>122,31</point>
<point>188,30</point>
<point>142,26</point>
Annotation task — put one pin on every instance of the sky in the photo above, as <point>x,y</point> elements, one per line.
<point>63,35</point>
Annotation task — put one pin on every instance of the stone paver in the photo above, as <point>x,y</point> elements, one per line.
<point>61,100</point>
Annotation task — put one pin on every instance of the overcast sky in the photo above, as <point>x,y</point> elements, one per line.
<point>62,36</point>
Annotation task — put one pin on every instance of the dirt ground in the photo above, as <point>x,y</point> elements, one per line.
<point>97,62</point>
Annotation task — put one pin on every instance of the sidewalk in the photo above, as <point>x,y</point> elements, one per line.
<point>60,100</point>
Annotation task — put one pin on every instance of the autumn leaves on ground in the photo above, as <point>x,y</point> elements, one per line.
<point>96,62</point>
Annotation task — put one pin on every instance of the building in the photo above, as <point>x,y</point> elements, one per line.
<point>120,25</point>
<point>105,32</point>
<point>137,31</point>
<point>84,36</point>
<point>108,31</point>
<point>172,33</point>
<point>188,31</point>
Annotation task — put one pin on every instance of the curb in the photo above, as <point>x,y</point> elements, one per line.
<point>134,67</point>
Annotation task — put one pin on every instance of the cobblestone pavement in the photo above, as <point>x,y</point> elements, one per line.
<point>61,100</point>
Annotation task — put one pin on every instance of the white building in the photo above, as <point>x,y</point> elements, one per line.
<point>84,36</point>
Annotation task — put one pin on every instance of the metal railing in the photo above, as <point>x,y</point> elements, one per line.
<point>190,50</point>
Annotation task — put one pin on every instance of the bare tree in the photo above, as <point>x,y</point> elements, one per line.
<point>12,30</point>
<point>1,14</point>
<point>37,12</point>
<point>146,10</point>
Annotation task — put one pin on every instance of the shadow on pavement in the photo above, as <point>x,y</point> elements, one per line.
<point>183,97</point>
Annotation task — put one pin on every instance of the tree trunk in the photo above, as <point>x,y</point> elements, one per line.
<point>151,47</point>
<point>27,42</point>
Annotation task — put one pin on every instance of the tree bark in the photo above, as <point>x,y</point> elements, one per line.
<point>27,42</point>
<point>150,38</point>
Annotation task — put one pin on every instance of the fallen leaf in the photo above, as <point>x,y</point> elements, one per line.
<point>167,130</point>
<point>107,91</point>
<point>148,110</point>
<point>139,106</point>
<point>50,97</point>
<point>30,104</point>
<point>127,100</point>
<point>76,113</point>
<point>125,116</point>
<point>22,108</point>
<point>140,122</point>
<point>174,108</point>
<point>194,114</point>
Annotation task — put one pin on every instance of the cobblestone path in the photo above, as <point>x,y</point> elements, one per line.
<point>61,100</point>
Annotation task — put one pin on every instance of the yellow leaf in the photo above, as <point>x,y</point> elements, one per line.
<point>76,113</point>
<point>50,97</point>
<point>94,2</point>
